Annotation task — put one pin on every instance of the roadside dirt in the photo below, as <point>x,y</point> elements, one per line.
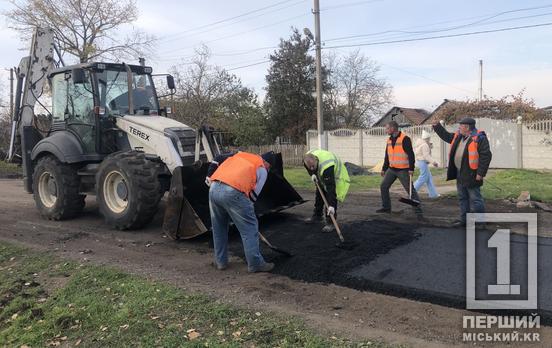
<point>328,308</point>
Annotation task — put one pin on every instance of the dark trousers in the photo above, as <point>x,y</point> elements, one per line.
<point>319,205</point>
<point>470,200</point>
<point>390,176</point>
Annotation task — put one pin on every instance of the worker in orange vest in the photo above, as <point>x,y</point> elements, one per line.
<point>399,163</point>
<point>234,187</point>
<point>469,159</point>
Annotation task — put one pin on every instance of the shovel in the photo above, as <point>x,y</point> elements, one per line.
<point>281,251</point>
<point>342,244</point>
<point>409,200</point>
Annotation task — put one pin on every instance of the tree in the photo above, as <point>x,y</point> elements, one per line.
<point>355,93</point>
<point>506,108</point>
<point>290,102</point>
<point>86,29</point>
<point>208,94</point>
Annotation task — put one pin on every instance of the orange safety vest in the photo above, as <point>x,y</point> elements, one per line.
<point>239,171</point>
<point>396,154</point>
<point>473,155</point>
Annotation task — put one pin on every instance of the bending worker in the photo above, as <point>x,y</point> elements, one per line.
<point>399,163</point>
<point>235,186</point>
<point>331,175</point>
<point>469,160</point>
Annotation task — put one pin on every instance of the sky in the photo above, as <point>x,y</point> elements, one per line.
<point>242,33</point>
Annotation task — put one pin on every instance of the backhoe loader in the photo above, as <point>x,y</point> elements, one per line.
<point>109,137</point>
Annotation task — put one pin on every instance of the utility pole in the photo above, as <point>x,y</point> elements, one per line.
<point>319,117</point>
<point>480,80</point>
<point>11,95</point>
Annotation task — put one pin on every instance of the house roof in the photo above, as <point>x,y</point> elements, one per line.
<point>430,119</point>
<point>415,116</point>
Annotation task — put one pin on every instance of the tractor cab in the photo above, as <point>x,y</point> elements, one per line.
<point>87,97</point>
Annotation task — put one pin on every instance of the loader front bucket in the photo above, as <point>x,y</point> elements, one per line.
<point>187,212</point>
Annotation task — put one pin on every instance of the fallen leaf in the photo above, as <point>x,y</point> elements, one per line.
<point>124,327</point>
<point>236,334</point>
<point>220,333</point>
<point>64,338</point>
<point>190,330</point>
<point>258,314</point>
<point>103,328</point>
<point>193,335</point>
<point>153,317</point>
<point>14,316</point>
<point>78,342</point>
<point>24,346</point>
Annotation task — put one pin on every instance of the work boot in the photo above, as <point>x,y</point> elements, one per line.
<point>265,267</point>
<point>314,219</point>
<point>220,267</point>
<point>383,211</point>
<point>328,228</point>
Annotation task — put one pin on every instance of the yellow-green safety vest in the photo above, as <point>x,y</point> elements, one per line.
<point>327,159</point>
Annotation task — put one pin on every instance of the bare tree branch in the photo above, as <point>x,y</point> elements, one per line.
<point>86,29</point>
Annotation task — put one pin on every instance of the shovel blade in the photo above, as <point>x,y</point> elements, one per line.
<point>409,201</point>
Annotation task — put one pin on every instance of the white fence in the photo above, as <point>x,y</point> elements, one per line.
<point>514,145</point>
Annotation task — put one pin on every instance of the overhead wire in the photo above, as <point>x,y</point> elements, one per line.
<point>403,31</point>
<point>440,36</point>
<point>231,18</point>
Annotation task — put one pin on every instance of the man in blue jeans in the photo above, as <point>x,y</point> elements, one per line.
<point>469,160</point>
<point>235,186</point>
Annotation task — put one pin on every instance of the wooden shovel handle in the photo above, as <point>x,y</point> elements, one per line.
<point>332,217</point>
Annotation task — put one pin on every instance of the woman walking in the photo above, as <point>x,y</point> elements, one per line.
<point>422,151</point>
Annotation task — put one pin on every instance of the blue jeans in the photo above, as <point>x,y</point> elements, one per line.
<point>228,204</point>
<point>425,178</point>
<point>470,199</point>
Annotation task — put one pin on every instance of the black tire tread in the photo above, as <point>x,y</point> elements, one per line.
<point>68,181</point>
<point>143,179</point>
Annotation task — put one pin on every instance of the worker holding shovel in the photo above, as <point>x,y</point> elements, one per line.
<point>399,163</point>
<point>332,180</point>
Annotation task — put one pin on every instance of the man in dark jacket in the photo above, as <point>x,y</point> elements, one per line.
<point>469,160</point>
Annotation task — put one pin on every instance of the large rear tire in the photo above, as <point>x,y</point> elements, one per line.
<point>56,189</point>
<point>128,190</point>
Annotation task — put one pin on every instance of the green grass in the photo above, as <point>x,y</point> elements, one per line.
<point>299,178</point>
<point>504,184</point>
<point>102,307</point>
<point>9,168</point>
<point>499,183</point>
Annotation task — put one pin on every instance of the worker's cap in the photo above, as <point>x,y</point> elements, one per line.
<point>269,157</point>
<point>425,134</point>
<point>467,120</point>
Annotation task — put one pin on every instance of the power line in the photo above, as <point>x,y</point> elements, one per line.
<point>248,65</point>
<point>231,18</point>
<point>402,31</point>
<point>178,36</point>
<point>441,36</point>
<point>427,78</point>
<point>350,4</point>
<point>243,32</point>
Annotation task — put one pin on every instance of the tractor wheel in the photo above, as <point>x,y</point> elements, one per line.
<point>56,189</point>
<point>128,190</point>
